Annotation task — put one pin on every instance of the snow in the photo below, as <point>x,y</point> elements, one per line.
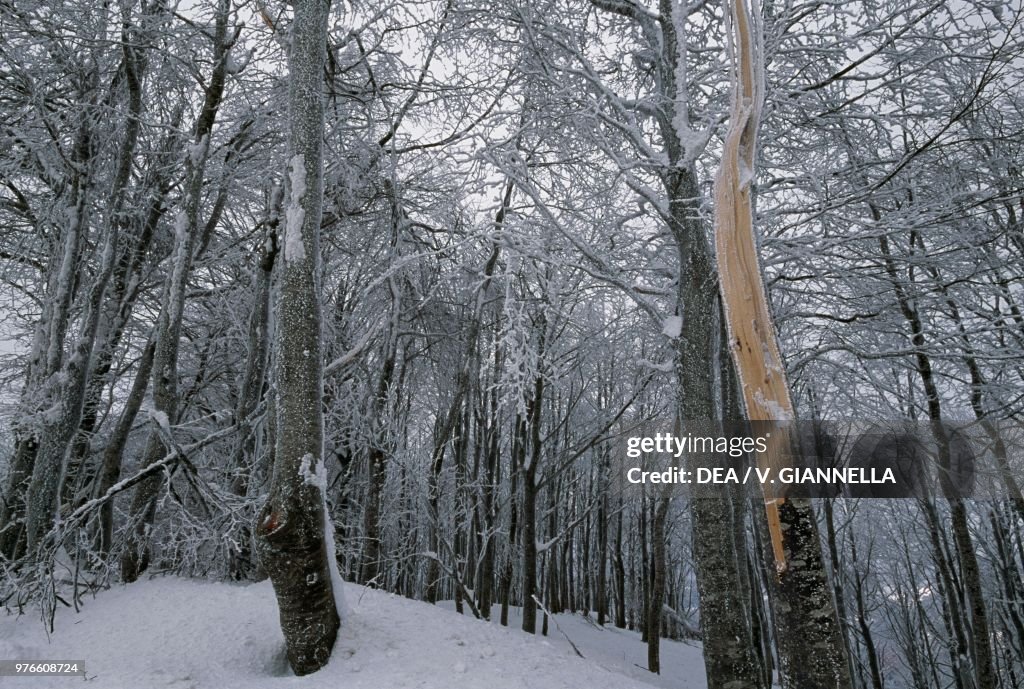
<point>160,419</point>
<point>773,407</point>
<point>617,650</point>
<point>238,61</point>
<point>197,150</point>
<point>318,477</point>
<point>313,475</point>
<point>337,583</point>
<point>664,366</point>
<point>746,175</point>
<point>51,415</point>
<point>180,263</point>
<point>188,634</point>
<point>681,108</point>
<point>180,227</point>
<point>672,326</point>
<point>294,249</point>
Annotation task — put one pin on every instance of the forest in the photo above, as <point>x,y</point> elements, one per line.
<point>373,296</point>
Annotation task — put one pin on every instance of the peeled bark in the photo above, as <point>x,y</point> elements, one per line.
<point>811,650</point>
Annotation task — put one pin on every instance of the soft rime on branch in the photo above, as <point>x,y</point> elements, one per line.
<point>429,300</point>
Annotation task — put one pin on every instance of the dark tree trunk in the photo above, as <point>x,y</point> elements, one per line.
<point>242,564</point>
<point>506,573</point>
<point>981,646</point>
<point>292,526</point>
<point>529,517</point>
<point>657,595</point>
<point>810,641</point>
<point>620,575</point>
<point>601,592</point>
<point>528,535</point>
<point>110,468</point>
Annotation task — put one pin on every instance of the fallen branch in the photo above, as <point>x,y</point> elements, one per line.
<point>552,618</point>
<point>467,595</point>
<point>173,456</point>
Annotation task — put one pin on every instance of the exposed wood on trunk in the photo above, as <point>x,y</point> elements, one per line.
<point>808,619</point>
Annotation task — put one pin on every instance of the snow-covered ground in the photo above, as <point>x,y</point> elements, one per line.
<point>182,634</point>
<point>618,650</point>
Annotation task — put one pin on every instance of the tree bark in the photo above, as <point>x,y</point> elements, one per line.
<point>110,468</point>
<point>656,599</point>
<point>242,563</point>
<point>810,640</point>
<point>292,526</point>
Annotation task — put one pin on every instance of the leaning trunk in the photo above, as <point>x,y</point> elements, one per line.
<point>136,556</point>
<point>811,648</point>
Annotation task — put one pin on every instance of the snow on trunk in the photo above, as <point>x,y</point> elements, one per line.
<point>293,532</point>
<point>337,583</point>
<point>681,106</point>
<point>294,249</point>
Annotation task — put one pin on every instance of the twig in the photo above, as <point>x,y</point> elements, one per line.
<point>552,618</point>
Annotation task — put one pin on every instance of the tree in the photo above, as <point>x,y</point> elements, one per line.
<point>294,543</point>
<point>187,227</point>
<point>807,616</point>
<point>515,271</point>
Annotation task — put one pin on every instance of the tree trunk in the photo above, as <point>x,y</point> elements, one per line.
<point>292,527</point>
<point>601,592</point>
<point>242,564</point>
<point>981,647</point>
<point>110,468</point>
<point>48,474</point>
<point>42,390</point>
<point>528,534</point>
<point>810,641</point>
<point>506,573</point>
<point>620,573</point>
<point>529,517</point>
<point>657,596</point>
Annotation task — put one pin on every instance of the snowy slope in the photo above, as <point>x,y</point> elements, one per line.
<point>618,650</point>
<point>181,634</point>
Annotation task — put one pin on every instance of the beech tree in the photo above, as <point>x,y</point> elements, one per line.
<point>807,616</point>
<point>420,269</point>
<point>294,534</point>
